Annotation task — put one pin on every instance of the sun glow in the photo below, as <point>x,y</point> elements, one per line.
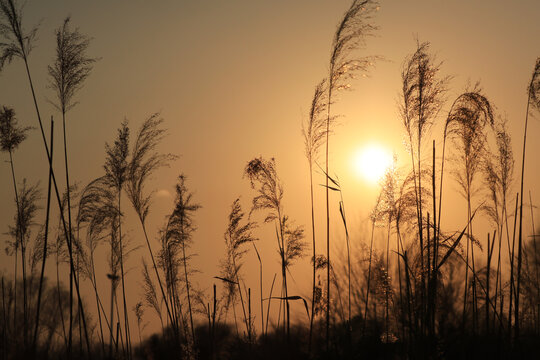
<point>372,161</point>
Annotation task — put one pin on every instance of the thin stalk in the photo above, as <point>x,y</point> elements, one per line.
<point>520,234</point>
<point>111,316</point>
<point>126,321</point>
<point>489,249</point>
<point>25,304</point>
<point>328,212</point>
<point>241,298</point>
<point>70,244</point>
<point>5,320</point>
<point>512,258</point>
<point>46,236</point>
<point>314,256</point>
<point>260,285</point>
<point>369,277</point>
<point>249,313</point>
<point>268,308</point>
<point>401,307</point>
<point>386,290</point>
<point>157,275</point>
<point>98,302</point>
<point>16,241</point>
<point>214,322</point>
<point>60,300</point>
<point>188,294</point>
<point>433,278</point>
<point>57,195</point>
<point>535,250</point>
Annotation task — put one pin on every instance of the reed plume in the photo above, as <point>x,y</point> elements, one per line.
<point>145,160</point>
<point>263,177</point>
<point>470,114</point>
<point>423,94</point>
<point>236,236</point>
<point>180,229</point>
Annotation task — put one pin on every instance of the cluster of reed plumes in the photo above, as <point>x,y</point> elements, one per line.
<point>432,293</point>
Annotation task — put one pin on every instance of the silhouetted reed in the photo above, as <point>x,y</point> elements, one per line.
<point>17,43</point>
<point>314,132</point>
<point>97,211</point>
<point>423,94</point>
<point>237,236</point>
<point>533,103</point>
<point>116,167</point>
<point>470,114</point>
<point>24,219</point>
<point>11,136</point>
<point>68,73</point>
<point>263,177</point>
<point>145,160</point>
<point>350,35</point>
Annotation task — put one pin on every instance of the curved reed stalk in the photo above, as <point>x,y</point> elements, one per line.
<point>533,100</point>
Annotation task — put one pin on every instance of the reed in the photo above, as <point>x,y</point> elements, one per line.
<point>314,131</point>
<point>350,35</point>
<point>237,236</point>
<point>67,75</point>
<point>11,136</point>
<point>423,94</point>
<point>263,176</point>
<point>533,103</point>
<point>18,43</point>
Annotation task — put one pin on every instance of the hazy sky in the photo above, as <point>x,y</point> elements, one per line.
<point>234,79</point>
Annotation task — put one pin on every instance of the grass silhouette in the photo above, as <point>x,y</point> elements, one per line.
<point>430,292</point>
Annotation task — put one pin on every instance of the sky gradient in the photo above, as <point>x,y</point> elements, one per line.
<point>234,79</point>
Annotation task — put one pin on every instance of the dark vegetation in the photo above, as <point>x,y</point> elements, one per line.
<point>433,293</point>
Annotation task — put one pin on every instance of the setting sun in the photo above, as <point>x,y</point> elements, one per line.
<point>372,161</point>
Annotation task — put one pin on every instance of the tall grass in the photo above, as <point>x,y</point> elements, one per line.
<point>263,176</point>
<point>116,166</point>
<point>410,307</point>
<point>237,236</point>
<point>533,101</point>
<point>180,228</point>
<point>314,131</point>
<point>350,35</point>
<point>11,136</point>
<point>470,114</point>
<point>68,73</point>
<point>17,43</point>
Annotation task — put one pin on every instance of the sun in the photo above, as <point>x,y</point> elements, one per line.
<point>371,162</point>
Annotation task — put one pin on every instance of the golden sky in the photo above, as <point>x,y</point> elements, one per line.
<point>234,79</point>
